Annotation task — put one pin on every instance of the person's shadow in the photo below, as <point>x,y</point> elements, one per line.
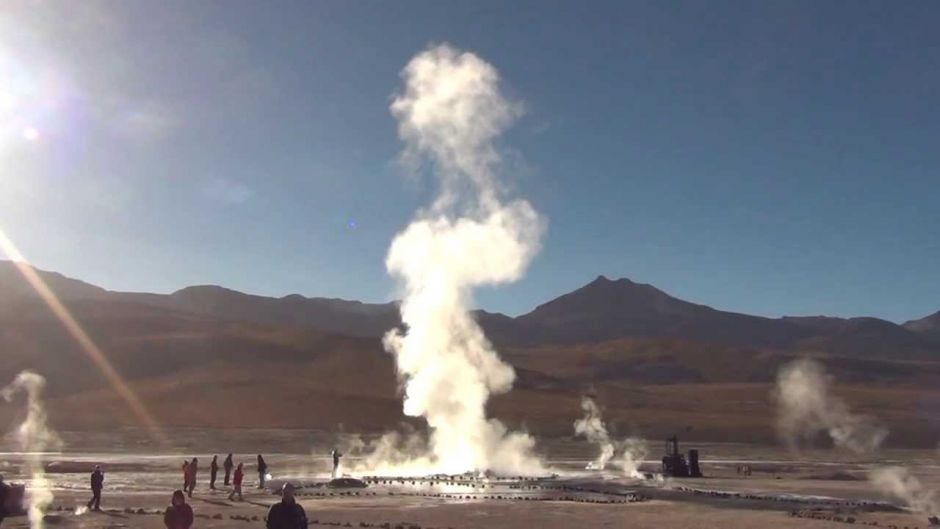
<point>223,503</point>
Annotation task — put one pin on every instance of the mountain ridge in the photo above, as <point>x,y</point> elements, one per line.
<point>602,310</point>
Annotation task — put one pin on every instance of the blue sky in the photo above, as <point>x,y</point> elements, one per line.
<point>770,158</point>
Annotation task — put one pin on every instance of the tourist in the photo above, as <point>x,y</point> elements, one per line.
<point>179,515</point>
<point>237,483</point>
<point>287,514</point>
<point>97,483</point>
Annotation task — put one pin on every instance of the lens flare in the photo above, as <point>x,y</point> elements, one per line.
<point>87,345</point>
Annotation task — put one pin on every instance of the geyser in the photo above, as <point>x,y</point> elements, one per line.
<point>806,408</point>
<point>34,437</point>
<point>450,115</point>
<point>592,428</point>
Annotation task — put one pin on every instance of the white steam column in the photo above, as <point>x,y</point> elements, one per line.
<point>450,115</point>
<point>35,437</point>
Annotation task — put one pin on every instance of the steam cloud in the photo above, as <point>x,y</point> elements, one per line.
<point>898,482</point>
<point>450,115</point>
<point>592,427</point>
<point>34,436</point>
<point>806,408</point>
<point>634,451</point>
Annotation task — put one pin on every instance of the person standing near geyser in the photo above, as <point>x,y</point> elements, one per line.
<point>237,483</point>
<point>97,484</point>
<point>213,471</point>
<point>228,465</point>
<point>262,471</point>
<point>336,455</point>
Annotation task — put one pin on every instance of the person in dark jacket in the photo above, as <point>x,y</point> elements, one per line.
<point>336,455</point>
<point>213,471</point>
<point>185,475</point>
<point>97,483</point>
<point>193,470</point>
<point>4,500</point>
<point>287,514</point>
<point>262,471</point>
<point>228,465</point>
<point>179,515</point>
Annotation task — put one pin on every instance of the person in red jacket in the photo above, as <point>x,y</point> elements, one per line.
<point>237,482</point>
<point>179,515</point>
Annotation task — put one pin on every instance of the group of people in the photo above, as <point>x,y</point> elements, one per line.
<point>191,469</point>
<point>286,514</point>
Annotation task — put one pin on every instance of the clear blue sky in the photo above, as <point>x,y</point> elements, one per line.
<point>764,157</point>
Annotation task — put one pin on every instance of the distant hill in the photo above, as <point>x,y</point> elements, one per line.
<point>13,286</point>
<point>340,316</point>
<point>210,356</point>
<point>607,309</point>
<point>928,326</point>
<point>600,311</point>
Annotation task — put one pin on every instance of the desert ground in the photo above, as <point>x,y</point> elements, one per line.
<point>819,488</point>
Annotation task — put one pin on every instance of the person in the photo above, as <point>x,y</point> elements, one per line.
<point>287,514</point>
<point>4,497</point>
<point>262,471</point>
<point>237,483</point>
<point>213,471</point>
<point>179,515</point>
<point>185,475</point>
<point>336,455</point>
<point>193,470</point>
<point>97,483</point>
<point>228,465</point>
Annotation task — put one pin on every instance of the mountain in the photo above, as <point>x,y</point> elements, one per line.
<point>212,357</point>
<point>600,311</point>
<point>339,316</point>
<point>12,284</point>
<point>607,309</point>
<point>928,326</point>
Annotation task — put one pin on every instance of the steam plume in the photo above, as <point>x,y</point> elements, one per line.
<point>898,482</point>
<point>592,427</point>
<point>34,436</point>
<point>806,408</point>
<point>634,451</point>
<point>450,114</point>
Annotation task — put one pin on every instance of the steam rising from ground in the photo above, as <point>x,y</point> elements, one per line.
<point>634,451</point>
<point>34,437</point>
<point>450,115</point>
<point>806,409</point>
<point>898,482</point>
<point>593,428</point>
